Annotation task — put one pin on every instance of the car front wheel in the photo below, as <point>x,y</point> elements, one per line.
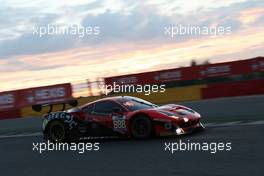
<point>141,127</point>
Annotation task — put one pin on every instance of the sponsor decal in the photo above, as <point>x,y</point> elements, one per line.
<point>7,101</point>
<point>216,71</point>
<point>169,76</point>
<point>126,80</point>
<point>39,95</point>
<point>66,117</point>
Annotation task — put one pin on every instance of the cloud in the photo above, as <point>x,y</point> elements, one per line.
<point>127,21</point>
<point>138,25</point>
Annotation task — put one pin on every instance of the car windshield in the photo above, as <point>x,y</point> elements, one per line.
<point>134,104</point>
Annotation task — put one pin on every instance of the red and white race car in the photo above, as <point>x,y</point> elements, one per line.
<point>119,116</point>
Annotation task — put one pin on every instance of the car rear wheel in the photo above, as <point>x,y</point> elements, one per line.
<point>141,127</point>
<point>57,131</point>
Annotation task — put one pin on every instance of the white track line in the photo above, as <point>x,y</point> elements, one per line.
<point>236,123</point>
<point>21,135</point>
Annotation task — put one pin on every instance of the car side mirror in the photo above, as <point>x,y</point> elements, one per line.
<point>117,110</point>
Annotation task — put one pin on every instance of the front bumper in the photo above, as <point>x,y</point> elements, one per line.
<point>182,130</point>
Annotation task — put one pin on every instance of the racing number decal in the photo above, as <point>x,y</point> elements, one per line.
<point>119,123</point>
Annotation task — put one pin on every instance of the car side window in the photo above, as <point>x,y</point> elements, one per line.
<point>89,109</point>
<point>105,107</point>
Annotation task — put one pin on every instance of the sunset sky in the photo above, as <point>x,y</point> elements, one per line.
<point>131,37</point>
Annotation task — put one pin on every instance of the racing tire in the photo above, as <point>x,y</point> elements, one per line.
<point>58,132</point>
<point>141,127</point>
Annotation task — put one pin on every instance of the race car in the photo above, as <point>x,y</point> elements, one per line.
<point>122,116</point>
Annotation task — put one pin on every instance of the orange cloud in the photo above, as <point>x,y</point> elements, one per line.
<point>251,15</point>
<point>124,58</point>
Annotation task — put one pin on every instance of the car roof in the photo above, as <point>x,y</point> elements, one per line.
<point>114,98</point>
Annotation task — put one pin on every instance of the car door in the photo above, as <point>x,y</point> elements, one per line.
<point>101,117</point>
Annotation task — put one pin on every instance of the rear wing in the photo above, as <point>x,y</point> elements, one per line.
<point>39,107</point>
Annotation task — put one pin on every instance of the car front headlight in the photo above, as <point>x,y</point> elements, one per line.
<point>185,119</point>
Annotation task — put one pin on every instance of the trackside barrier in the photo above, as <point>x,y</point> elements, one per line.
<point>241,88</point>
<point>10,114</point>
<point>234,68</point>
<point>12,102</point>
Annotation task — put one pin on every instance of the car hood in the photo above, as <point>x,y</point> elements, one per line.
<point>178,111</point>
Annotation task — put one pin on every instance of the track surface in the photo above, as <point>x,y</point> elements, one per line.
<point>132,157</point>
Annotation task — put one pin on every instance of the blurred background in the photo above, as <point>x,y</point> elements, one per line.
<point>193,83</point>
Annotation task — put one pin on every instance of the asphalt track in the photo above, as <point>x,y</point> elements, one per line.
<point>133,157</point>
